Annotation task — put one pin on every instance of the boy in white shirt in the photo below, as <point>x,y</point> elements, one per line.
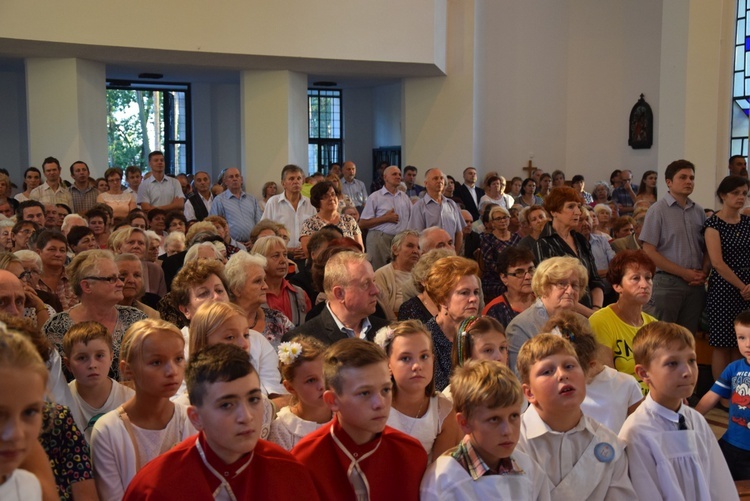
<point>88,356</point>
<point>672,451</point>
<point>487,398</point>
<point>582,458</point>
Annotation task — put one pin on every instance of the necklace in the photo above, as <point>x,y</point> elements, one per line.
<point>255,322</point>
<point>419,411</point>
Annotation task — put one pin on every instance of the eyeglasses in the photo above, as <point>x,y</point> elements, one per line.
<point>111,280</point>
<point>501,218</point>
<point>26,275</point>
<point>522,273</point>
<point>564,284</point>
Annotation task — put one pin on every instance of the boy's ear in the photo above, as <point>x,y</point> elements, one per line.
<point>195,417</point>
<point>527,393</point>
<point>642,373</point>
<point>463,423</point>
<point>331,400</point>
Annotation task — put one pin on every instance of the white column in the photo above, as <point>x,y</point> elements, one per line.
<point>274,125</point>
<point>67,112</point>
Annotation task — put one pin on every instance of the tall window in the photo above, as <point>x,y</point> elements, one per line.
<point>145,117</point>
<point>325,144</point>
<point>741,90</point>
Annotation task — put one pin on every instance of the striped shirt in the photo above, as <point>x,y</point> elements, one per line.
<point>355,190</point>
<point>242,213</point>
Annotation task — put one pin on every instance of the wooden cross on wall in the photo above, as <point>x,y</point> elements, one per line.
<point>529,168</point>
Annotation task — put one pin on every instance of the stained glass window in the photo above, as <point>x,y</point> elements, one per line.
<point>741,86</point>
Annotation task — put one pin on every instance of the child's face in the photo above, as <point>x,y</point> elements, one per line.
<point>308,384</point>
<point>21,402</point>
<point>493,432</point>
<point>234,331</point>
<point>411,362</point>
<point>671,375</point>
<point>491,345</point>
<point>556,383</point>
<point>90,363</point>
<point>161,366</point>
<point>231,416</point>
<point>364,402</point>
<point>743,339</point>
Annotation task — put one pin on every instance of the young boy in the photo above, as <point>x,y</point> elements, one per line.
<point>88,356</point>
<point>487,399</point>
<point>357,456</point>
<point>582,458</point>
<point>734,384</point>
<point>672,451</point>
<point>226,460</point>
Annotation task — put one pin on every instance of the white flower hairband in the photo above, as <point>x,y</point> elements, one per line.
<point>384,337</point>
<point>288,352</point>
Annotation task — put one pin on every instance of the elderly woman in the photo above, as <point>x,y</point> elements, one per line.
<point>631,274</point>
<point>246,276</point>
<point>131,275</point>
<point>96,282</point>
<point>52,247</point>
<point>22,232</point>
<point>204,250</point>
<point>496,194</point>
<point>34,307</point>
<point>557,283</point>
<point>135,241</point>
<point>99,222</point>
<point>601,193</point>
<point>561,238</point>
<point>528,197</point>
<point>281,295</point>
<point>6,235</point>
<point>421,307</point>
<point>121,202</point>
<point>394,279</point>
<point>492,244</point>
<point>516,266</point>
<point>269,189</point>
<point>600,249</point>
<point>623,226</point>
<point>223,230</point>
<point>174,243</point>
<point>453,285</point>
<point>535,218</point>
<point>324,196</point>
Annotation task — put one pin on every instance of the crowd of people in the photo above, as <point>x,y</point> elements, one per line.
<point>167,337</point>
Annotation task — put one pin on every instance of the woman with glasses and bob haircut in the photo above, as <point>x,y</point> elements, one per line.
<point>558,283</point>
<point>560,237</point>
<point>95,278</point>
<point>516,268</point>
<point>492,243</point>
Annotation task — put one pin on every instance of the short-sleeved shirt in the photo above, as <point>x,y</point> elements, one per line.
<point>280,210</point>
<point>158,193</point>
<point>346,224</point>
<point>382,201</point>
<point>622,196</point>
<point>676,232</point>
<point>83,200</point>
<point>356,191</point>
<point>733,385</point>
<point>428,212</point>
<point>47,196</point>
<point>242,213</point>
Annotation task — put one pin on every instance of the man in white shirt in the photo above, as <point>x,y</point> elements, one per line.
<point>52,191</point>
<point>160,191</point>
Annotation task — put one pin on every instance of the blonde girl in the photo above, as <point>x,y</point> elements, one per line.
<point>23,379</point>
<point>301,367</point>
<point>152,358</point>
<point>417,409</point>
<point>216,323</point>
<point>611,396</point>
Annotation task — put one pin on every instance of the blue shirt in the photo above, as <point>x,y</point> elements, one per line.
<point>382,201</point>
<point>427,212</point>
<point>622,197</point>
<point>158,193</point>
<point>355,190</point>
<point>242,213</point>
<point>734,384</point>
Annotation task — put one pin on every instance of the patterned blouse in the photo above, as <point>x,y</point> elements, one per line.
<point>500,310</point>
<point>64,291</point>
<point>277,324</point>
<point>346,223</point>
<point>414,309</point>
<point>443,349</point>
<point>66,447</point>
<point>58,325</point>
<point>491,248</point>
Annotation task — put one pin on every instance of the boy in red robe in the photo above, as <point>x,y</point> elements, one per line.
<point>226,460</point>
<point>358,457</point>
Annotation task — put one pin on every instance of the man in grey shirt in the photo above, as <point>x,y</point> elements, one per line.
<point>672,236</point>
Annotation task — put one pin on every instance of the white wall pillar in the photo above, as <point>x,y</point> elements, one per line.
<point>273,124</point>
<point>67,112</point>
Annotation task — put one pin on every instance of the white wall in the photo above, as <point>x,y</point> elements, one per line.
<point>13,125</point>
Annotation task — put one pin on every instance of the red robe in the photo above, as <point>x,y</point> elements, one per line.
<point>269,472</point>
<point>394,471</point>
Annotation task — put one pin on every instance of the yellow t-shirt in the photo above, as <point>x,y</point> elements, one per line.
<point>618,336</point>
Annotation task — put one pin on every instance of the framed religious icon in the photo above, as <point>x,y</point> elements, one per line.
<point>641,126</point>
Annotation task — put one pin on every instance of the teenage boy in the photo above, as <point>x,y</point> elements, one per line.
<point>87,347</point>
<point>487,398</point>
<point>733,385</point>
<point>672,452</point>
<point>226,460</point>
<point>582,458</point>
<point>357,456</point>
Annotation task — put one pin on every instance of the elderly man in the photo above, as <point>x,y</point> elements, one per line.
<point>199,201</point>
<point>394,279</point>
<point>12,294</point>
<point>625,194</point>
<point>435,238</point>
<point>352,296</point>
<point>353,188</point>
<point>434,209</point>
<point>160,191</point>
<point>386,214</point>
<point>240,209</point>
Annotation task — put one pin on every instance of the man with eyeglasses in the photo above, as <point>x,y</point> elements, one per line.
<point>625,194</point>
<point>351,298</point>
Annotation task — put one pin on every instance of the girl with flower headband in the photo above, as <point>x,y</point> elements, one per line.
<point>611,396</point>
<point>479,338</point>
<point>301,367</point>
<point>417,409</point>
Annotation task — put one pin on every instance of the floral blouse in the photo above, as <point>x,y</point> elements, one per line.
<point>346,223</point>
<point>277,324</point>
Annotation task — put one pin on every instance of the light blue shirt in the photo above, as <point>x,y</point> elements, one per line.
<point>355,190</point>
<point>158,193</point>
<point>427,212</point>
<point>382,201</point>
<point>242,213</point>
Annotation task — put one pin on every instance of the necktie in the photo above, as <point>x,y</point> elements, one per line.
<point>682,425</point>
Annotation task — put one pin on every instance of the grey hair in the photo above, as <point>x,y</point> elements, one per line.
<point>602,208</point>
<point>234,270</point>
<point>28,255</point>
<point>398,240</point>
<point>70,217</point>
<point>422,268</point>
<point>426,234</point>
<point>192,253</point>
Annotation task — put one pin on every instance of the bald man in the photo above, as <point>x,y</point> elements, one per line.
<point>434,209</point>
<point>353,188</point>
<point>12,294</point>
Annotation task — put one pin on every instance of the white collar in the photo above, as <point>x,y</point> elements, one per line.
<point>652,406</point>
<point>536,427</point>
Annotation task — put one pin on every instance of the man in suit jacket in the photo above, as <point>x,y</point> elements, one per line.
<point>470,193</point>
<point>352,295</point>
